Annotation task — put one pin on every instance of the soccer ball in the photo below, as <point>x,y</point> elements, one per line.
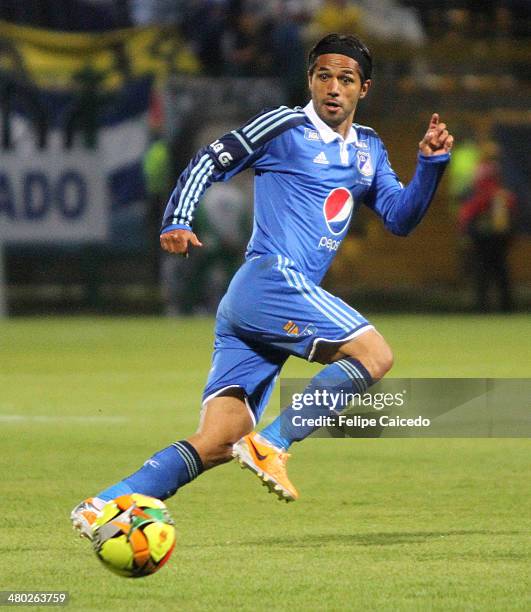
<point>134,535</point>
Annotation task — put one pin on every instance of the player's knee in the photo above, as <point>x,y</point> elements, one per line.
<point>215,452</point>
<point>382,361</point>
<point>373,352</point>
<point>212,450</point>
<point>379,359</point>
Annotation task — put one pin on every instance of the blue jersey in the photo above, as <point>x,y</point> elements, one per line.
<point>309,182</point>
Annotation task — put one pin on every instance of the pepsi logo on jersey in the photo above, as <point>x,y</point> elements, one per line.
<point>337,210</point>
<point>329,243</point>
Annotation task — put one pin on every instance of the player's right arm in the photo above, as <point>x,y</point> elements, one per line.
<point>219,161</point>
<point>216,162</point>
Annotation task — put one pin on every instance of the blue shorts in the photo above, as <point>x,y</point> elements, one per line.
<point>272,311</point>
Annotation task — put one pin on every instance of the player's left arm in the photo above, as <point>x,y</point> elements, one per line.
<point>402,208</point>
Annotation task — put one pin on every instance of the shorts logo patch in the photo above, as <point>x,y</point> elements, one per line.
<point>337,209</point>
<point>293,329</point>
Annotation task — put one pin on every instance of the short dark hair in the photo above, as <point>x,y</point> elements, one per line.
<point>346,40</point>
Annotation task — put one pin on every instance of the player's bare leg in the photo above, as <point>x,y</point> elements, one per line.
<point>369,348</point>
<point>224,420</point>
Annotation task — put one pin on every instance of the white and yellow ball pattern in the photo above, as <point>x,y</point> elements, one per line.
<point>134,535</point>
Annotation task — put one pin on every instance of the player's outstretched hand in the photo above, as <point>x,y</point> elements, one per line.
<point>437,139</point>
<point>178,241</point>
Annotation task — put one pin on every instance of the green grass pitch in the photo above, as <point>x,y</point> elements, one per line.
<point>403,524</point>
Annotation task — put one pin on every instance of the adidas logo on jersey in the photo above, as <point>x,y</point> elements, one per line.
<point>321,158</point>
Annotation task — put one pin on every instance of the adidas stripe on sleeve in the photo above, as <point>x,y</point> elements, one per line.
<point>222,159</point>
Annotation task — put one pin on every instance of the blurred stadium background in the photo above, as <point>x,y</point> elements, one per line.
<point>102,104</point>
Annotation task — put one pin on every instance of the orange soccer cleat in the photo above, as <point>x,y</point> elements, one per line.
<point>268,463</point>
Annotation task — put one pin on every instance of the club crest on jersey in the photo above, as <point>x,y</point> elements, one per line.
<point>364,163</point>
<point>311,134</point>
<point>337,209</point>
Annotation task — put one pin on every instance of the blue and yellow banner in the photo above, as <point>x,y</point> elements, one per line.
<point>73,165</point>
<point>74,129</point>
<point>54,60</point>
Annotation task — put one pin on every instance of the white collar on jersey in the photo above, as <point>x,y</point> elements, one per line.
<point>325,131</point>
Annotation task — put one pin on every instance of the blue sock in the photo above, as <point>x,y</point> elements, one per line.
<point>347,375</point>
<point>161,475</point>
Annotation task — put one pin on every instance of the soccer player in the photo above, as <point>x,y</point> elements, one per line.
<point>313,169</point>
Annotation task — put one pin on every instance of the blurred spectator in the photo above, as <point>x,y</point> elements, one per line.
<point>388,20</point>
<point>487,218</point>
<point>158,180</point>
<point>340,16</point>
<point>161,12</point>
<point>68,15</point>
<point>89,102</point>
<point>226,228</point>
<point>474,18</point>
<point>157,177</point>
<point>466,156</point>
<point>516,15</point>
<point>289,56</point>
<point>244,46</point>
<point>196,285</point>
<point>204,25</point>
